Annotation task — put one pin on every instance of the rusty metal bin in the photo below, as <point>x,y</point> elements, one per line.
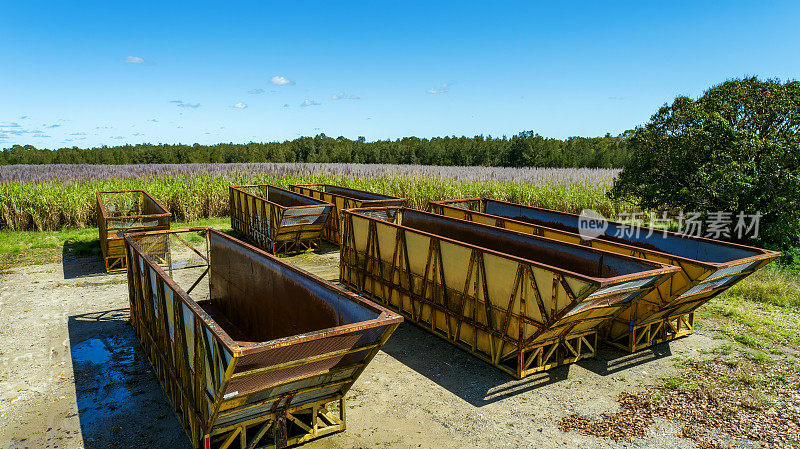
<point>520,302</point>
<point>120,211</point>
<point>708,267</point>
<point>276,219</point>
<point>262,353</point>
<point>343,198</point>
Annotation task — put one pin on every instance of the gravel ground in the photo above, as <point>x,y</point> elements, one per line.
<point>73,375</point>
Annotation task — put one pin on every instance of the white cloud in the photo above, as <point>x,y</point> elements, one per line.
<point>117,137</point>
<point>153,120</point>
<point>182,104</point>
<point>6,131</point>
<point>255,91</point>
<point>308,102</point>
<point>9,125</point>
<point>240,105</point>
<point>137,134</point>
<point>342,96</point>
<point>441,89</point>
<point>281,81</point>
<point>286,105</point>
<point>134,60</point>
<point>77,134</point>
<point>23,117</point>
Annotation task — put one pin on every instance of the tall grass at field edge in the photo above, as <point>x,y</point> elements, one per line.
<point>53,205</point>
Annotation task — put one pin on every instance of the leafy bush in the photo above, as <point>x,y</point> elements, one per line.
<point>736,148</point>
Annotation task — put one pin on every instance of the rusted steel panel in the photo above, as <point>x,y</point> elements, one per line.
<point>343,198</point>
<point>276,219</point>
<point>523,303</point>
<point>120,211</point>
<point>709,267</point>
<point>263,353</point>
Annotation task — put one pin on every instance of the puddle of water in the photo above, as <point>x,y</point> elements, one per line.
<point>105,368</point>
<point>92,350</point>
<point>187,263</point>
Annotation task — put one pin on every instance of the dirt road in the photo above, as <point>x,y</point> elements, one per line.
<point>72,375</point>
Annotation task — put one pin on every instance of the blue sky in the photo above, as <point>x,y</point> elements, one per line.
<point>164,72</point>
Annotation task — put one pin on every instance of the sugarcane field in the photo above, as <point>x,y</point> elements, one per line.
<point>540,226</point>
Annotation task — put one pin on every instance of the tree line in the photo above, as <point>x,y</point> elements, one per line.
<point>526,149</point>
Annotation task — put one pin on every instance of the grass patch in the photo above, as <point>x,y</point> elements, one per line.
<point>756,356</point>
<point>20,248</point>
<point>220,223</point>
<point>18,242</point>
<point>772,285</point>
<point>760,312</point>
<point>677,383</point>
<point>748,340</point>
<point>725,349</point>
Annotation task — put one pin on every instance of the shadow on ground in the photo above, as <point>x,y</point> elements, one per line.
<point>481,384</point>
<point>457,371</point>
<point>81,259</point>
<point>611,361</point>
<point>325,248</point>
<point>120,403</point>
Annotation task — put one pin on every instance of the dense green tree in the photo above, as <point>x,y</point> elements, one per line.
<point>736,149</point>
<point>524,149</point>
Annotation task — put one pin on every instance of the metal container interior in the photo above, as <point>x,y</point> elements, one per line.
<point>343,198</point>
<point>275,341</point>
<point>564,256</point>
<point>121,211</point>
<point>690,247</point>
<point>348,192</point>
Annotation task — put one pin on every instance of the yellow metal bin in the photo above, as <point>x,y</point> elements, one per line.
<point>520,302</point>
<point>708,267</point>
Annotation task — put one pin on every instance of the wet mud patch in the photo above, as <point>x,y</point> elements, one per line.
<point>115,385</point>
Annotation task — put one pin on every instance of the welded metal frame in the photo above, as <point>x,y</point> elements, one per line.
<point>519,315</point>
<point>275,227</point>
<point>663,315</point>
<point>198,364</point>
<point>112,244</point>
<point>342,201</point>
